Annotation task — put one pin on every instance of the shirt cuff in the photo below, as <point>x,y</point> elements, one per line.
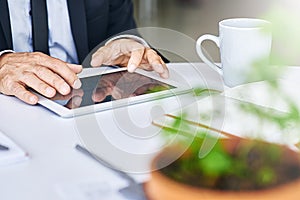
<point>6,51</point>
<point>134,37</point>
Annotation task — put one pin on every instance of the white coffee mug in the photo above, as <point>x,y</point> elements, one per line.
<point>242,42</point>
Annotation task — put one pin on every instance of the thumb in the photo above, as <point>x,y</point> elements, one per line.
<point>98,58</point>
<point>75,68</point>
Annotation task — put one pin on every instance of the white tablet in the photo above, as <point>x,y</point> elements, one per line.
<point>109,88</point>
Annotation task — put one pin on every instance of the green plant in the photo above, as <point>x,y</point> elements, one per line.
<point>232,164</point>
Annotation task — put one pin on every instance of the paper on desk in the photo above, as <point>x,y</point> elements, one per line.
<point>261,93</point>
<point>91,190</point>
<point>14,155</point>
<point>232,119</point>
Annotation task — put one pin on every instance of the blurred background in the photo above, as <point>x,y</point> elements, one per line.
<point>196,17</point>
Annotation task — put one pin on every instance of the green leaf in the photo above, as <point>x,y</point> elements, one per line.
<point>216,162</point>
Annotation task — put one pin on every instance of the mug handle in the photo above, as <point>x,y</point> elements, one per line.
<point>200,53</point>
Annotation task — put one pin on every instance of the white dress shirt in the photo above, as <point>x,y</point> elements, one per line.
<point>61,43</point>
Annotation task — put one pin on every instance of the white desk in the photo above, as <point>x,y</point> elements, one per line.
<point>50,141</point>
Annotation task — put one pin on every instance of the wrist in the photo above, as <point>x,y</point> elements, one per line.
<point>6,51</point>
<point>2,53</point>
<point>133,37</point>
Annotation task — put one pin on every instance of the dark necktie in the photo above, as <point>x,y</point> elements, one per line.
<point>39,26</point>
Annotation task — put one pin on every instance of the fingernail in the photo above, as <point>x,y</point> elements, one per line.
<point>50,92</point>
<point>65,89</point>
<point>77,84</point>
<point>165,75</point>
<point>79,67</point>
<point>33,99</point>
<point>93,63</point>
<point>131,68</point>
<point>158,67</point>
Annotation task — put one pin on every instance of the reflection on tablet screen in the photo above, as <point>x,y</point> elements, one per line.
<point>110,87</point>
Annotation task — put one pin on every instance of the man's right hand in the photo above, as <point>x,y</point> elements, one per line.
<point>44,74</point>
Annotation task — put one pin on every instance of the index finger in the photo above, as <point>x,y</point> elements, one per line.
<point>135,59</point>
<point>61,68</point>
<point>157,63</point>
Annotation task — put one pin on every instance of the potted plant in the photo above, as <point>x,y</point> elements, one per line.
<point>234,168</point>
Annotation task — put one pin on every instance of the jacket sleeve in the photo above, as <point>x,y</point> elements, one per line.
<point>120,17</point>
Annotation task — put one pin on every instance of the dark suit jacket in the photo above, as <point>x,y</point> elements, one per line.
<point>92,21</point>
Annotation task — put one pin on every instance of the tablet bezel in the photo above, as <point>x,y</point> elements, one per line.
<point>67,113</point>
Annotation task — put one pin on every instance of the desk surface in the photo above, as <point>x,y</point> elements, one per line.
<point>50,140</point>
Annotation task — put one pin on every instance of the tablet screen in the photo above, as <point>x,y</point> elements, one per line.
<point>110,87</point>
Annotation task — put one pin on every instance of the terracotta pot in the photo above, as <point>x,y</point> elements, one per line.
<point>160,187</point>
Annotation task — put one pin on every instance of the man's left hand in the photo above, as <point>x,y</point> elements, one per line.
<point>131,54</point>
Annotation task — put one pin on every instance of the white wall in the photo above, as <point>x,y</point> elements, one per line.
<point>203,18</point>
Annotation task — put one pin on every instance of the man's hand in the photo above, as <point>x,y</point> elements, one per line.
<point>46,75</point>
<point>123,84</point>
<point>130,54</point>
